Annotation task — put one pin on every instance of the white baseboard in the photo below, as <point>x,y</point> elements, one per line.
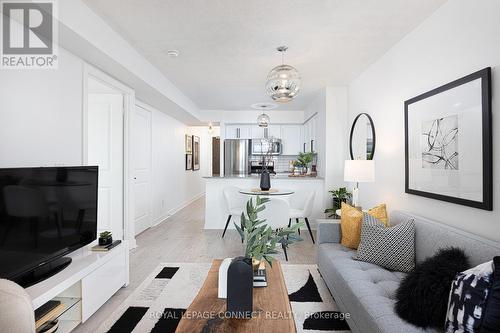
<point>177,209</point>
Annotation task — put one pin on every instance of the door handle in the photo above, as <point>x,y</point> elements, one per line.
<point>312,146</point>
<point>304,147</point>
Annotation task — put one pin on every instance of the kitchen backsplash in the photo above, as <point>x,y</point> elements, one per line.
<point>281,162</point>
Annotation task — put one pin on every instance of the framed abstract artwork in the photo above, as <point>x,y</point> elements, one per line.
<point>189,162</point>
<point>188,144</point>
<point>448,142</point>
<point>196,153</point>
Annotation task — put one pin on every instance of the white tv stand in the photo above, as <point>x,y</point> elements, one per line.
<point>85,285</point>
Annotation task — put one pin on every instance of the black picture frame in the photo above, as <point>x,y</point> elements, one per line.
<point>189,162</point>
<point>487,145</point>
<point>196,153</point>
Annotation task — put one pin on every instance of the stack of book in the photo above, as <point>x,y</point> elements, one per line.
<point>106,247</point>
<point>260,277</point>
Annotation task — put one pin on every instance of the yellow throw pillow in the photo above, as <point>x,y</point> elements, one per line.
<point>350,224</point>
<point>351,219</point>
<point>380,213</point>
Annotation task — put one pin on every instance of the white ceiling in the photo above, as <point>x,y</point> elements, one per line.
<point>227,47</point>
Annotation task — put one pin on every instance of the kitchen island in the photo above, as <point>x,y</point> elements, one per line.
<point>215,209</point>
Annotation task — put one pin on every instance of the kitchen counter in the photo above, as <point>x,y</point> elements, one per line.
<point>216,212</point>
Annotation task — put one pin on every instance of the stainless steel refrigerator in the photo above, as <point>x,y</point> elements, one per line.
<point>236,157</point>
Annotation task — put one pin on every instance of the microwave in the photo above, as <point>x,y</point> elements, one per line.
<point>261,147</point>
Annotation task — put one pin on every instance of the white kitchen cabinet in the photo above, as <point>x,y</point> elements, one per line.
<point>238,131</point>
<point>292,139</point>
<point>257,132</point>
<point>273,131</point>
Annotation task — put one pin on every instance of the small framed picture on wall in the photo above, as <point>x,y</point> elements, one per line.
<point>196,153</point>
<point>189,162</point>
<point>189,144</point>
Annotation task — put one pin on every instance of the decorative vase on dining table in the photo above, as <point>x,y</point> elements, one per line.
<point>265,181</point>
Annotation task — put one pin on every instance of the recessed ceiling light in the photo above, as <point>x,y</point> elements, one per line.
<point>264,106</point>
<point>173,53</point>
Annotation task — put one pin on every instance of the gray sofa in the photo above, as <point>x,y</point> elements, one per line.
<point>366,291</point>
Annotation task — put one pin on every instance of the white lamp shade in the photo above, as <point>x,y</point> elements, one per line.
<point>359,171</point>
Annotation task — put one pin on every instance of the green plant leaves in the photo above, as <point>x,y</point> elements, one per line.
<point>260,239</point>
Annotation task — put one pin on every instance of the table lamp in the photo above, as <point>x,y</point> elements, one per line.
<point>358,171</point>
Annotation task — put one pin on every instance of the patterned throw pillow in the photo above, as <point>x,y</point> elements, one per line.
<point>468,299</point>
<point>389,247</point>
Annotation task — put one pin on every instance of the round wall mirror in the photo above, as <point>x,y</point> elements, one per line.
<point>362,138</point>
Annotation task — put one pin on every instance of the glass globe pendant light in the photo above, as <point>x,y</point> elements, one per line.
<point>263,120</point>
<point>283,81</point>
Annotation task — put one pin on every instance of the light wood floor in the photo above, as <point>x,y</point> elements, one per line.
<point>181,238</point>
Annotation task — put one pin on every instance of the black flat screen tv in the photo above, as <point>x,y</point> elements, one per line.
<point>45,213</point>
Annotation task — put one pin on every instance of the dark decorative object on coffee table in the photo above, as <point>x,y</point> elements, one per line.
<point>422,296</point>
<point>105,238</point>
<point>240,288</point>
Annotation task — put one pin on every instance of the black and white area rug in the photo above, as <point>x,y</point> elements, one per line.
<point>158,303</point>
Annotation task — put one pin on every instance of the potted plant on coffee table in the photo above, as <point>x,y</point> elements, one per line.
<point>260,239</point>
<point>261,242</point>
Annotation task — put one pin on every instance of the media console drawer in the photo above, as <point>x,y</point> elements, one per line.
<point>102,283</point>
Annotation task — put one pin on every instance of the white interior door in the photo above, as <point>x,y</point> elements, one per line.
<point>105,149</point>
<point>141,160</point>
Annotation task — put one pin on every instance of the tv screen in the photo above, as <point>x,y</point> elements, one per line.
<point>45,213</point>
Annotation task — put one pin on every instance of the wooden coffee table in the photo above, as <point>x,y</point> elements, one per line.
<point>272,310</point>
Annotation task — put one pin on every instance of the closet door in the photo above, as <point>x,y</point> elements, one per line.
<point>141,160</point>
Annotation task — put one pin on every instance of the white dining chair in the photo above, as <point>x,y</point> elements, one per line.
<point>234,202</point>
<point>301,208</point>
<point>276,216</point>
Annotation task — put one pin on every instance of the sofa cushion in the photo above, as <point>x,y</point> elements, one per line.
<point>389,247</point>
<point>380,213</point>
<point>422,297</point>
<point>431,235</point>
<point>469,298</point>
<point>350,222</point>
<point>366,290</point>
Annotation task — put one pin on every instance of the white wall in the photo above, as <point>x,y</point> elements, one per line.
<point>173,186</point>
<point>41,115</point>
<point>458,39</point>
<point>331,107</point>
<point>41,125</point>
<point>336,130</point>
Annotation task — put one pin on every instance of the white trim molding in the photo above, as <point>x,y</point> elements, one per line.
<point>128,93</point>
